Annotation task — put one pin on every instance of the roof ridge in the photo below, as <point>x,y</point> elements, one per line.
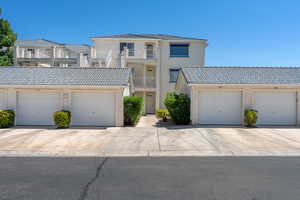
<point>252,67</point>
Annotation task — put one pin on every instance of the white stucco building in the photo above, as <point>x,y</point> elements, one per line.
<point>45,53</point>
<point>154,58</point>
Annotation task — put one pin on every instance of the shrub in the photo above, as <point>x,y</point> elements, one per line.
<point>133,109</point>
<point>162,114</point>
<point>7,118</point>
<point>178,106</point>
<point>62,119</point>
<point>250,117</point>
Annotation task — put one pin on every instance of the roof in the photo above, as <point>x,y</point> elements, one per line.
<point>44,42</point>
<point>242,75</point>
<point>37,42</point>
<point>149,36</point>
<point>64,76</point>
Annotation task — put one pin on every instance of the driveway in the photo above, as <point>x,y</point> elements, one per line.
<point>153,141</point>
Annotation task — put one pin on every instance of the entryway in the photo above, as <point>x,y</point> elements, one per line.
<point>149,101</point>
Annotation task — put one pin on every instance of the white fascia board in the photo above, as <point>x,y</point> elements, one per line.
<point>63,86</point>
<point>269,85</point>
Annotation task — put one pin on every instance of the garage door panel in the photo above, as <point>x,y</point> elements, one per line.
<point>2,100</point>
<point>93,109</point>
<point>37,108</point>
<point>275,108</point>
<point>219,107</point>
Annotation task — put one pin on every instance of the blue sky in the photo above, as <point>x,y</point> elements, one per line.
<point>239,32</point>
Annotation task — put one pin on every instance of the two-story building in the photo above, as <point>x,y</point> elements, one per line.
<point>154,58</point>
<point>45,53</point>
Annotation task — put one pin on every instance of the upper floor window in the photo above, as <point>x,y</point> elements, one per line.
<point>173,75</point>
<point>129,46</point>
<point>30,52</point>
<point>179,50</point>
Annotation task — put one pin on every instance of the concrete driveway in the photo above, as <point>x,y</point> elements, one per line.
<point>139,141</point>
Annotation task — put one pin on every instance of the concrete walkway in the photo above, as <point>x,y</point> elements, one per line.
<point>154,141</point>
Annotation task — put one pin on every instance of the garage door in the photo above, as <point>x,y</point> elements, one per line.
<point>220,107</point>
<point>37,108</point>
<point>93,109</point>
<point>275,108</point>
<point>2,100</point>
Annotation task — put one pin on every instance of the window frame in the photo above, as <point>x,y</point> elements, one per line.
<point>187,45</point>
<point>173,70</point>
<point>131,51</point>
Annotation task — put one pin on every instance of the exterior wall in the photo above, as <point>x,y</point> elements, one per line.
<point>247,97</point>
<point>163,60</point>
<point>182,86</point>
<point>47,56</point>
<point>10,98</point>
<point>196,58</point>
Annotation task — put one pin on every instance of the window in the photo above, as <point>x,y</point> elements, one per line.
<point>179,50</point>
<point>129,46</point>
<point>30,52</point>
<point>173,75</point>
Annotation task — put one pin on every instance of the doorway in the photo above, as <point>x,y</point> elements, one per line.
<point>150,102</point>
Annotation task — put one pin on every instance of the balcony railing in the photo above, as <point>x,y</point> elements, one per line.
<point>144,82</point>
<point>141,53</point>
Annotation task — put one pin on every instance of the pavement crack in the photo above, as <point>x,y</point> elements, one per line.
<point>85,190</point>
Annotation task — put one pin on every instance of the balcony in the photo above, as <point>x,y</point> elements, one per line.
<point>144,83</point>
<point>141,55</point>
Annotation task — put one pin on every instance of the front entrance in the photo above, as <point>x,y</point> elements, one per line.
<point>150,102</point>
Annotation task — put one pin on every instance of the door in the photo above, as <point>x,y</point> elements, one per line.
<point>150,77</point>
<point>37,107</point>
<point>150,53</point>
<point>220,107</point>
<point>150,103</point>
<point>93,109</point>
<point>275,108</point>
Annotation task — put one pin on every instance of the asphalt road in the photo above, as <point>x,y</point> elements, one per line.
<point>185,178</point>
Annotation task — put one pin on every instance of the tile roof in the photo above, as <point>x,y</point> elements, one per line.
<point>48,43</point>
<point>149,36</point>
<point>242,75</point>
<point>36,42</point>
<point>64,76</point>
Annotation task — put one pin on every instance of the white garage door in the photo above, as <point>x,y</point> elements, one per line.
<point>220,107</point>
<point>2,100</point>
<point>93,109</point>
<point>37,108</point>
<point>275,108</point>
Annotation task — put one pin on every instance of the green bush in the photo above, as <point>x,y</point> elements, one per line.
<point>178,106</point>
<point>62,119</point>
<point>7,118</point>
<point>162,114</point>
<point>250,117</point>
<point>133,109</point>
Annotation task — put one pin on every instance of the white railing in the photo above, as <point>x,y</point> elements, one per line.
<point>108,59</point>
<point>144,82</point>
<point>141,53</point>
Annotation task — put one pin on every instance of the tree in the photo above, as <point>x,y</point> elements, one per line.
<point>7,41</point>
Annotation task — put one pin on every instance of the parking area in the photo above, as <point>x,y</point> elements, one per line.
<point>150,141</point>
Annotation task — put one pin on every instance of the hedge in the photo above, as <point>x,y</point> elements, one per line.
<point>178,106</point>
<point>7,118</point>
<point>62,118</point>
<point>133,109</point>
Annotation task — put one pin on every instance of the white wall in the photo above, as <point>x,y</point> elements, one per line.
<point>196,59</point>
